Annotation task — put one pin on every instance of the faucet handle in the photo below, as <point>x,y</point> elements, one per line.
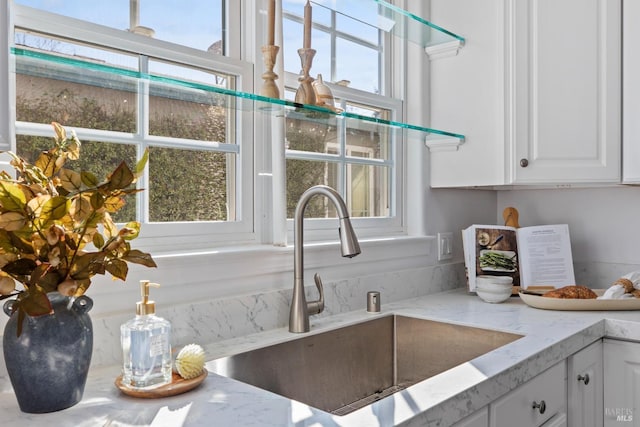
<point>317,307</point>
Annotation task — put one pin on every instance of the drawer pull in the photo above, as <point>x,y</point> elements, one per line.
<point>584,378</point>
<point>541,407</point>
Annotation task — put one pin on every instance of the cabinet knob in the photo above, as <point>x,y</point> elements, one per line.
<point>541,407</point>
<point>524,163</point>
<point>584,378</point>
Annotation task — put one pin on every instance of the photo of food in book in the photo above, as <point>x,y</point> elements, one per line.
<point>498,253</point>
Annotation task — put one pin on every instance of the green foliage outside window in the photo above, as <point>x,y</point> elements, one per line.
<point>184,185</point>
<point>303,174</point>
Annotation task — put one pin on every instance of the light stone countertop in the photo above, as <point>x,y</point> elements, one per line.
<point>549,337</point>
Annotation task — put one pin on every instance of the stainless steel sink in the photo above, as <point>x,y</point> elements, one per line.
<point>345,369</point>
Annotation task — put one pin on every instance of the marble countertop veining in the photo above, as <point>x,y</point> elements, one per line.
<point>549,337</point>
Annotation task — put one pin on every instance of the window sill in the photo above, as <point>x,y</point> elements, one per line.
<point>373,249</point>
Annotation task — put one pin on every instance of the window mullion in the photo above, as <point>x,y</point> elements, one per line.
<point>278,188</point>
<point>142,132</point>
<point>232,35</point>
<point>341,131</point>
<point>333,37</point>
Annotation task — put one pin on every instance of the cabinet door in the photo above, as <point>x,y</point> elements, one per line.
<point>480,418</point>
<point>533,403</point>
<point>585,387</point>
<point>566,91</point>
<point>621,383</point>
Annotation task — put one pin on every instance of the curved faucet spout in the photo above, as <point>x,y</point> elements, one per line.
<point>300,308</point>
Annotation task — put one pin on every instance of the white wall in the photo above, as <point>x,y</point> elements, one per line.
<point>603,223</point>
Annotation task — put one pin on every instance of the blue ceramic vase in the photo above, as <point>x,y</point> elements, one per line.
<point>48,363</point>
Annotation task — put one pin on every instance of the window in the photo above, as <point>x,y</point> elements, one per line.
<point>123,99</point>
<point>354,157</point>
<point>359,159</point>
<point>125,90</point>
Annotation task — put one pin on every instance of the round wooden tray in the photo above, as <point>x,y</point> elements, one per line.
<point>178,385</point>
<point>568,304</point>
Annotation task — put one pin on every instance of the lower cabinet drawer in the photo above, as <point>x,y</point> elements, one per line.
<point>533,403</point>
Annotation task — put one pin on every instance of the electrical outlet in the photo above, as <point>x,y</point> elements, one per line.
<point>445,245</point>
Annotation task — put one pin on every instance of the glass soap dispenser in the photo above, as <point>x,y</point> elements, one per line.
<point>146,345</point>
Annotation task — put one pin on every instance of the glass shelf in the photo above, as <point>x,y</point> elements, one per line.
<point>397,21</point>
<point>94,74</point>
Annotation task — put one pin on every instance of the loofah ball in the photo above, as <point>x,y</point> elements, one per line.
<point>190,361</point>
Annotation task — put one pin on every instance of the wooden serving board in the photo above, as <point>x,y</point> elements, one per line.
<point>178,385</point>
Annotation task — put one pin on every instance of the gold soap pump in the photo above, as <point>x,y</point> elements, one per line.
<point>146,345</point>
<point>145,306</point>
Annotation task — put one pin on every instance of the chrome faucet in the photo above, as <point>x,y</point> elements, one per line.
<point>300,308</point>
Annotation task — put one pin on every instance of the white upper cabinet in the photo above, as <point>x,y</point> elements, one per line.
<point>536,92</point>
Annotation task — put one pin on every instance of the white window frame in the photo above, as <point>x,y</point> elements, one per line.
<point>156,236</point>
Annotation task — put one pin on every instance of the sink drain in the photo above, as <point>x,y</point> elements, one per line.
<point>346,409</point>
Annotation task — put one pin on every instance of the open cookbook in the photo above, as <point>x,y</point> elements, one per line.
<point>533,256</point>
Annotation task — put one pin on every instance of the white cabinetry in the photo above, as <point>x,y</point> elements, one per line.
<point>536,91</point>
<point>540,400</point>
<point>585,387</point>
<point>621,383</point>
<point>568,394</point>
<point>631,90</point>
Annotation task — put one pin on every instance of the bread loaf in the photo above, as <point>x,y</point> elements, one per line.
<point>572,291</point>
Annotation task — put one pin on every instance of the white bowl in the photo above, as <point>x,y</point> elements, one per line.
<point>494,289</point>
<point>493,296</point>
